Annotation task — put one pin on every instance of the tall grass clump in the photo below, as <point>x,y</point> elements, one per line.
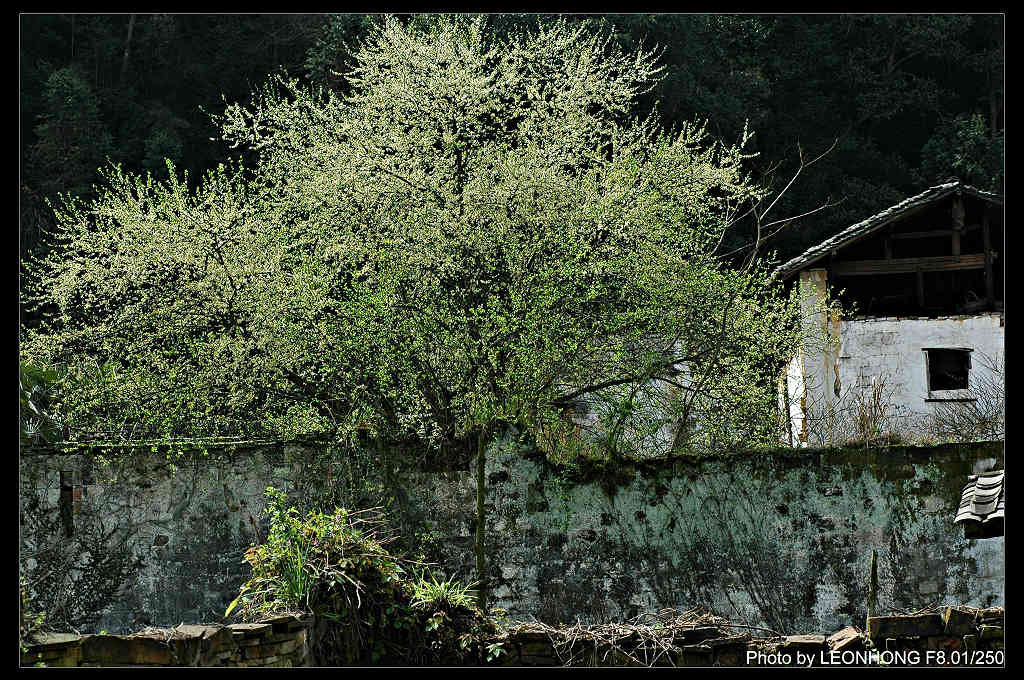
<point>375,607</point>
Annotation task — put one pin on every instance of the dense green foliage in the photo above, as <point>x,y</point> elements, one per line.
<point>38,422</point>
<point>337,566</point>
<point>892,89</point>
<point>912,99</point>
<point>480,232</point>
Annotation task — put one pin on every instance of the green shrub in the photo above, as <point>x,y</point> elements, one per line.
<point>337,567</point>
<point>30,620</point>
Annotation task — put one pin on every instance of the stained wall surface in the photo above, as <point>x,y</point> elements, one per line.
<point>879,364</point>
<point>779,539</point>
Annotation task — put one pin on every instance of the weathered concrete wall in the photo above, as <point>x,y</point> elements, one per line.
<point>894,348</point>
<point>157,537</point>
<point>875,362</point>
<point>780,539</point>
<point>776,540</point>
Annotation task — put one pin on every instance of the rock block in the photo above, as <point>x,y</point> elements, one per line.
<point>990,632</point>
<point>122,650</point>
<point>218,641</point>
<point>946,643</point>
<point>270,650</point>
<point>48,641</point>
<point>250,630</point>
<point>958,621</point>
<point>696,655</point>
<point>880,627</point>
<point>288,646</point>
<point>536,649</point>
<point>848,638</point>
<point>803,643</point>
<point>698,634</point>
<point>187,650</point>
<point>62,656</point>
<point>991,612</point>
<point>732,655</point>
<point>71,658</point>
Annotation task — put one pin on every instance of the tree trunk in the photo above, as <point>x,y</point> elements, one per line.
<point>481,519</point>
<point>873,586</point>
<point>127,47</point>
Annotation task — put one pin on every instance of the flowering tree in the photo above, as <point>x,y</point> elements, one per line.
<point>479,234</point>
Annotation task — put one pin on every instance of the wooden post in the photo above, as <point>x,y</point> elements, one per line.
<point>990,295</point>
<point>958,223</point>
<point>787,416</point>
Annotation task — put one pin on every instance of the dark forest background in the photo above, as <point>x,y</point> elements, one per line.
<point>912,100</point>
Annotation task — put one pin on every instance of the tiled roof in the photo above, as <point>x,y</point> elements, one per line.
<point>865,227</point>
<point>982,505</point>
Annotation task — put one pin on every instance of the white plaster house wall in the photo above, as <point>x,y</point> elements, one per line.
<point>847,362</point>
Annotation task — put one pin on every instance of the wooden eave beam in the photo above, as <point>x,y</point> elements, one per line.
<point>909,265</point>
<point>935,233</point>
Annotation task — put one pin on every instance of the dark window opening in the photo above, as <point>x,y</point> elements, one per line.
<point>882,295</point>
<point>942,293</point>
<point>948,369</point>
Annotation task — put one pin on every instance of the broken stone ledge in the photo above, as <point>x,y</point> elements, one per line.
<point>285,641</point>
<point>948,317</point>
<point>278,641</point>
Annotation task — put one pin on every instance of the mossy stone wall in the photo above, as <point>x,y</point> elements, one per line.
<point>779,539</point>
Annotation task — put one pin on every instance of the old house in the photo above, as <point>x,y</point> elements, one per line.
<point>917,353</point>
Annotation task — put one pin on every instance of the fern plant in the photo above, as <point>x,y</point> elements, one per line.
<point>431,593</point>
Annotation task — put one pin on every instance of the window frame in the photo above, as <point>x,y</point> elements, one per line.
<point>965,394</point>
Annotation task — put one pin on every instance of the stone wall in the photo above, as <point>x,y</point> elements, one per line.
<point>279,641</point>
<point>781,539</point>
<point>960,633</point>
<point>955,636</point>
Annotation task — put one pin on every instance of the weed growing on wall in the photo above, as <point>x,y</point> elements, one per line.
<point>867,413</point>
<point>387,609</point>
<point>432,593</point>
<point>30,619</point>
